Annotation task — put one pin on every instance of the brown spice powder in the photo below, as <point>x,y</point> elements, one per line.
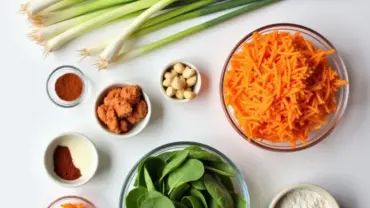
<point>69,87</point>
<point>63,164</point>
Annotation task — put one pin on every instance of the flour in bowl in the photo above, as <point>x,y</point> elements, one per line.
<point>303,198</point>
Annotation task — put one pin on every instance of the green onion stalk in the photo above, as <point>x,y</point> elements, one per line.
<point>45,33</point>
<point>58,41</point>
<point>190,15</point>
<point>83,8</point>
<point>113,49</point>
<point>34,7</point>
<point>170,39</point>
<point>61,5</point>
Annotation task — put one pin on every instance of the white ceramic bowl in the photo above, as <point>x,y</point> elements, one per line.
<point>139,127</point>
<point>197,86</point>
<point>49,163</point>
<point>332,202</point>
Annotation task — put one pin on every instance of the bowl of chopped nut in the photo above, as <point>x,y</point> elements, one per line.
<point>123,109</point>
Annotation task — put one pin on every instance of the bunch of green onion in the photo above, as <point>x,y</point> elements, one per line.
<point>59,21</point>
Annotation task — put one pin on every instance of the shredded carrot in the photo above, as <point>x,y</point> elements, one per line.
<point>73,205</point>
<point>281,87</point>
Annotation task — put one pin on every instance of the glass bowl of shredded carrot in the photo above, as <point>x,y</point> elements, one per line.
<point>284,87</point>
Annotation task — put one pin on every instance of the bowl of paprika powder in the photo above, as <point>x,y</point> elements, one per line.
<point>71,160</point>
<point>67,86</point>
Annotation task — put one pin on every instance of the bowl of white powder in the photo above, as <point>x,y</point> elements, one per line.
<point>304,195</point>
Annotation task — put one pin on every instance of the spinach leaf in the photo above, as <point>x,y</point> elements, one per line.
<point>221,168</point>
<point>154,166</point>
<point>239,201</point>
<point>199,184</point>
<point>191,170</point>
<point>148,181</point>
<point>225,180</point>
<point>199,195</point>
<point>191,202</point>
<point>178,192</point>
<point>218,192</point>
<point>166,156</point>
<point>178,205</point>
<point>175,162</point>
<point>158,202</point>
<point>213,204</point>
<point>203,155</point>
<point>132,198</point>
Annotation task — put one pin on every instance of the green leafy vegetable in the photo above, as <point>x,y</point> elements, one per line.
<point>174,180</point>
<point>199,195</point>
<point>191,170</point>
<point>191,202</point>
<point>226,181</point>
<point>199,184</point>
<point>179,192</point>
<point>218,192</point>
<point>213,204</point>
<point>221,168</point>
<point>166,156</point>
<point>179,205</point>
<point>239,201</point>
<point>158,202</point>
<point>132,199</point>
<point>148,181</point>
<point>203,155</point>
<point>175,162</point>
<point>154,166</point>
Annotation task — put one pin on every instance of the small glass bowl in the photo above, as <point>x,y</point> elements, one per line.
<point>342,96</point>
<point>71,199</point>
<point>239,182</point>
<point>50,86</point>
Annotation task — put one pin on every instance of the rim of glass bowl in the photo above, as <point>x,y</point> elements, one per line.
<point>343,92</point>
<point>243,185</point>
<point>78,72</point>
<point>71,197</point>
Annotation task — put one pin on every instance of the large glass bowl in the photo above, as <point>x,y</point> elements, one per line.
<point>342,96</point>
<point>239,183</point>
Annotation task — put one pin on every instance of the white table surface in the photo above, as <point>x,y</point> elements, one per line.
<point>29,120</point>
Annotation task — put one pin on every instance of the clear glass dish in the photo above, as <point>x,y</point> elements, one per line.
<point>239,182</point>
<point>50,86</point>
<point>342,96</point>
<point>71,199</point>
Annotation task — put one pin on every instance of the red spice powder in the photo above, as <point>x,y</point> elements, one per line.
<point>63,164</point>
<point>69,87</point>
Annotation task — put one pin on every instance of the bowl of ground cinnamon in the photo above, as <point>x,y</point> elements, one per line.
<point>71,160</point>
<point>67,86</point>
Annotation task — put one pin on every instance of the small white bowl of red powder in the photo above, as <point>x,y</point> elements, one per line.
<point>71,160</point>
<point>67,86</point>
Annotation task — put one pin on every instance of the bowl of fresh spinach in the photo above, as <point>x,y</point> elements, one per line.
<point>184,175</point>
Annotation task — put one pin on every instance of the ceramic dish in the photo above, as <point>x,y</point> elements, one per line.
<point>50,86</point>
<point>238,181</point>
<point>342,96</point>
<point>71,199</point>
<point>49,162</point>
<point>196,88</point>
<point>330,199</point>
<point>137,128</point>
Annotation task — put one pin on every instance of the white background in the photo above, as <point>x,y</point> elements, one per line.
<point>29,120</point>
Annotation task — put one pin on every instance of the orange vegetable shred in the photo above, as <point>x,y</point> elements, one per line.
<point>73,206</point>
<point>281,87</point>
